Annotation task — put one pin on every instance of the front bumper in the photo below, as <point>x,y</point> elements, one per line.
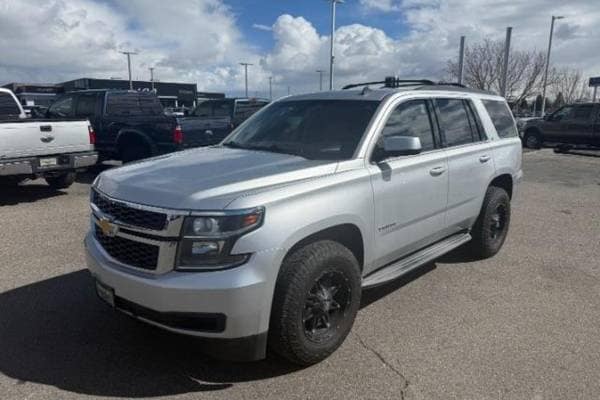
<point>32,165</point>
<point>242,296</point>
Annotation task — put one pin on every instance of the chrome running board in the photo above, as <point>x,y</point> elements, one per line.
<point>421,257</point>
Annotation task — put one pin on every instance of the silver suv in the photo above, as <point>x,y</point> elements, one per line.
<point>266,240</point>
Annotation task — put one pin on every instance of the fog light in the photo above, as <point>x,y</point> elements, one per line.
<point>204,248</point>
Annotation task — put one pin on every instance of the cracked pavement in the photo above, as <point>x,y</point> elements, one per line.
<point>522,325</point>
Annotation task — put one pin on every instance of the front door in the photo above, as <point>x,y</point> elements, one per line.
<point>410,192</point>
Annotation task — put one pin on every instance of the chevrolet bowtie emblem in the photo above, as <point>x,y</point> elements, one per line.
<point>107,227</point>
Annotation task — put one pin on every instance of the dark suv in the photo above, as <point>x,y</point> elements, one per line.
<point>575,124</point>
<point>129,125</point>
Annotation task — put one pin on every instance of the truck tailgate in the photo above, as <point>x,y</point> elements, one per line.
<point>204,131</point>
<point>43,137</point>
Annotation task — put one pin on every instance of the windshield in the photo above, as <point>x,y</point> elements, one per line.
<point>314,129</point>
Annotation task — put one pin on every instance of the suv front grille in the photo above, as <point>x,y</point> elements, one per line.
<point>128,215</point>
<point>135,254</point>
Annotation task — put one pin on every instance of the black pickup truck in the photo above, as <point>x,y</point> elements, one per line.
<point>130,125</point>
<point>571,125</point>
<point>218,117</point>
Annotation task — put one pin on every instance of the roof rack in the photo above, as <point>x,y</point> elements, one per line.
<point>392,82</point>
<point>452,84</point>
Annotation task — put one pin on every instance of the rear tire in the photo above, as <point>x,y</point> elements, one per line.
<point>491,227</point>
<point>134,150</point>
<point>316,299</point>
<point>533,140</point>
<point>62,181</point>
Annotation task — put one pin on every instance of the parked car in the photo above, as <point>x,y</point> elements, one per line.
<point>268,239</point>
<point>129,125</point>
<point>217,118</point>
<point>574,124</point>
<point>36,148</point>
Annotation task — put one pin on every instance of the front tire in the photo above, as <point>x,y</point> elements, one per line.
<point>316,299</point>
<point>491,227</point>
<point>61,181</point>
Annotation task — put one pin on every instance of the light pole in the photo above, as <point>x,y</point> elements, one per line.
<point>320,72</point>
<point>129,54</point>
<point>331,49</point>
<point>246,65</point>
<point>270,88</point>
<point>548,63</point>
<point>152,77</point>
<point>505,64</point>
<point>461,59</point>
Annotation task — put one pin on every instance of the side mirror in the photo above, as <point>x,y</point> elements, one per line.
<point>394,146</point>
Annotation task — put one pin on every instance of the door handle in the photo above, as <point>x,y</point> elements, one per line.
<point>485,158</point>
<point>46,128</point>
<point>208,132</point>
<point>437,171</point>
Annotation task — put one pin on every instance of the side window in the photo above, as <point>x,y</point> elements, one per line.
<point>562,113</point>
<point>454,122</point>
<point>8,106</point>
<point>501,118</point>
<point>203,109</point>
<point>123,104</point>
<point>150,105</point>
<point>62,107</point>
<point>221,109</point>
<point>411,119</point>
<point>582,113</point>
<point>86,105</point>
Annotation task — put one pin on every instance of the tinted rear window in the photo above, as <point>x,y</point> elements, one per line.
<point>501,118</point>
<point>133,104</point>
<point>8,106</point>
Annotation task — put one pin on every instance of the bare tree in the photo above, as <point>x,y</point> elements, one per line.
<point>483,69</point>
<point>568,82</point>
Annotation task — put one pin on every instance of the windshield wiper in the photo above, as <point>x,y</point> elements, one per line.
<point>273,148</point>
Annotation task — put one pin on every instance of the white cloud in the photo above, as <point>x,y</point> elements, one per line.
<point>262,27</point>
<point>200,40</point>
<point>380,5</point>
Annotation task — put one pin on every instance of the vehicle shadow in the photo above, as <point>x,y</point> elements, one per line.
<point>56,332</point>
<point>12,195</point>
<point>584,153</point>
<point>88,176</point>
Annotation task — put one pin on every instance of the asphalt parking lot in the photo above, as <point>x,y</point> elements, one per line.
<point>522,325</point>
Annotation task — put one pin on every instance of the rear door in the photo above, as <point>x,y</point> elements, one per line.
<point>470,164</point>
<point>410,192</point>
<point>555,127</point>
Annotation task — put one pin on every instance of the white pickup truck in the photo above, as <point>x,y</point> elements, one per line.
<point>36,148</point>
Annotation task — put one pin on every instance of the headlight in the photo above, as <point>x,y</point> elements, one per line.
<point>208,239</point>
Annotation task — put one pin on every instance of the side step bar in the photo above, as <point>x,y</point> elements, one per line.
<point>421,257</point>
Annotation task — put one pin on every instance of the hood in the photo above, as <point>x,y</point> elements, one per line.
<point>206,178</point>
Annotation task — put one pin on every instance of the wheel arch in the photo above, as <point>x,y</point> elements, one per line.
<point>504,181</point>
<point>347,234</point>
<point>126,135</point>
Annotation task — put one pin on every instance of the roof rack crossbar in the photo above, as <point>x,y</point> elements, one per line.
<point>392,82</point>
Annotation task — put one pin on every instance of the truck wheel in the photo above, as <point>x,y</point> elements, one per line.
<point>491,227</point>
<point>133,150</point>
<point>61,181</point>
<point>316,299</point>
<point>533,140</point>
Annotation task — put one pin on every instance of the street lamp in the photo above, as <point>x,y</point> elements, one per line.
<point>129,54</point>
<point>152,77</point>
<point>331,49</point>
<point>320,72</point>
<point>246,72</point>
<point>548,63</point>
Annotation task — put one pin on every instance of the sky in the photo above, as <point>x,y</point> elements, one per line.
<point>203,41</point>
